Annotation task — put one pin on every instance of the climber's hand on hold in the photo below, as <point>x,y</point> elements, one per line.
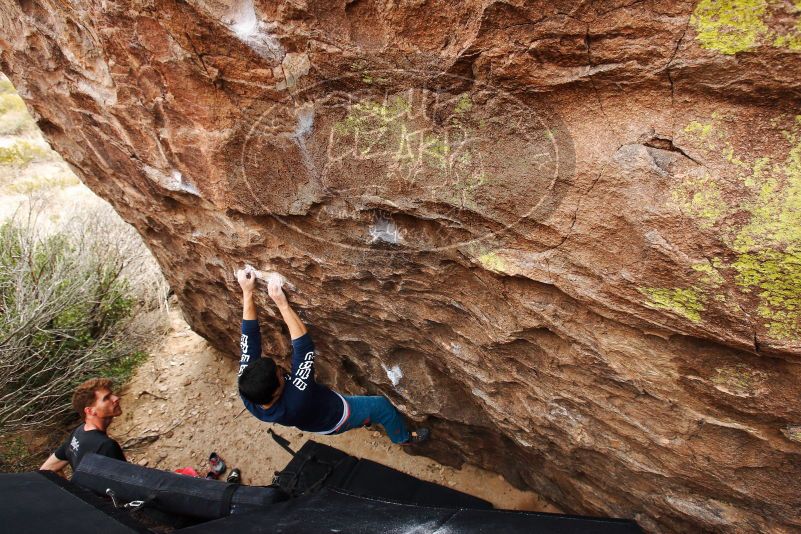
<point>247,279</point>
<point>276,292</point>
<point>275,289</point>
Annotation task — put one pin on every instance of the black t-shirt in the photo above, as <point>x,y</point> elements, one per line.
<point>81,442</point>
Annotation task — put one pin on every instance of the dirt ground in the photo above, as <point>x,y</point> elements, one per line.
<point>183,403</point>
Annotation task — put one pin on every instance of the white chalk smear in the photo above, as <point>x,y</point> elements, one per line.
<point>175,181</point>
<point>394,374</point>
<point>247,26</point>
<point>273,277</point>
<point>269,276</point>
<point>305,117</point>
<point>244,21</point>
<point>184,185</point>
<point>385,230</point>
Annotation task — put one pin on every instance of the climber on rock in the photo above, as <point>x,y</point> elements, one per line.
<point>294,398</point>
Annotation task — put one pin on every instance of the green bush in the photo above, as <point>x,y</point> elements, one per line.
<point>11,102</point>
<point>16,123</point>
<point>69,311</point>
<point>14,116</point>
<point>22,152</point>
<point>5,85</point>
<point>31,183</point>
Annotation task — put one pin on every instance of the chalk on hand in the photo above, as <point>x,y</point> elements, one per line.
<point>275,277</point>
<point>269,276</point>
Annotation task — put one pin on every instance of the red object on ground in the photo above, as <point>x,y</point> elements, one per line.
<point>187,471</point>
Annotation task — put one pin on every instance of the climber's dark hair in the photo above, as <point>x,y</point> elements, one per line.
<point>258,382</point>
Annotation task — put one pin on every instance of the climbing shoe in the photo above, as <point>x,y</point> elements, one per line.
<point>235,476</point>
<point>216,464</point>
<point>418,435</point>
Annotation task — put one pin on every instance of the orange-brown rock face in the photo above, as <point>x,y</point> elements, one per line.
<point>567,234</point>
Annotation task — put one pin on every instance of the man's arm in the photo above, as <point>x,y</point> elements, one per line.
<point>250,341</point>
<point>302,347</point>
<point>247,281</point>
<point>55,464</point>
<point>296,327</point>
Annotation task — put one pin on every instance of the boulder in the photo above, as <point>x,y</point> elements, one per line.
<point>566,234</point>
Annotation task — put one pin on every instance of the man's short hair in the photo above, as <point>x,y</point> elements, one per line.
<point>84,395</point>
<point>258,382</point>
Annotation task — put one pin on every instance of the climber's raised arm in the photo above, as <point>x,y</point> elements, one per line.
<point>296,327</point>
<point>250,342</point>
<point>247,281</point>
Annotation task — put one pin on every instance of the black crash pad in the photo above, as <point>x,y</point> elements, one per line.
<point>330,510</point>
<point>170,492</point>
<point>42,502</point>
<point>316,466</point>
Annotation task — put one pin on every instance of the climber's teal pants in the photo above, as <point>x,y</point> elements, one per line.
<point>375,410</point>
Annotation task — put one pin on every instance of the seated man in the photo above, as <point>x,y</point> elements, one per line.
<point>97,406</point>
<point>295,399</point>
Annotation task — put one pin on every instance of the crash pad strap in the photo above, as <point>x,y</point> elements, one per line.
<point>227,497</point>
<point>281,441</point>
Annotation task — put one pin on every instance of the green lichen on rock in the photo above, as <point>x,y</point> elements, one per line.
<point>492,262</point>
<point>775,207</point>
<point>387,130</point>
<point>792,432</point>
<point>733,26</point>
<point>731,156</point>
<point>688,302</point>
<point>710,272</point>
<point>463,191</point>
<point>729,26</point>
<point>369,117</point>
<point>792,39</point>
<point>413,147</point>
<point>464,104</point>
<point>776,276</point>
<point>769,245</point>
<point>437,151</point>
<point>739,380</point>
<point>700,197</point>
<point>766,233</point>
<point>705,133</point>
<point>702,130</point>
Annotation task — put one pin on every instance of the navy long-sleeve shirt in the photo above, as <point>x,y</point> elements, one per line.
<point>304,403</point>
